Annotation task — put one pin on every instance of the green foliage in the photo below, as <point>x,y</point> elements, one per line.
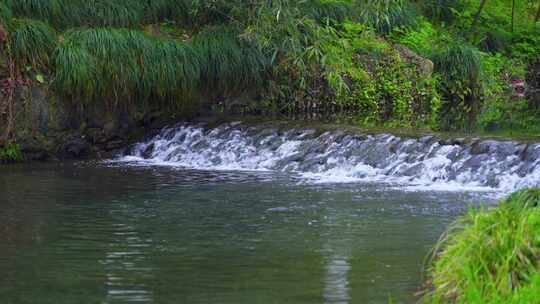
<point>32,42</point>
<point>10,153</point>
<point>441,10</point>
<point>491,256</point>
<point>324,10</point>
<point>5,14</point>
<point>386,15</point>
<point>460,67</point>
<point>395,93</point>
<point>526,45</point>
<point>159,10</point>
<point>425,39</point>
<point>229,64</point>
<point>120,65</point>
<point>119,13</point>
<point>75,72</point>
<point>496,41</point>
<point>324,56</point>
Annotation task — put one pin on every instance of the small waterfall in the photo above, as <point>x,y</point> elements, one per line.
<point>341,156</point>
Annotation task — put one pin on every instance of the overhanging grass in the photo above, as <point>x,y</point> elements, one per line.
<point>121,65</point>
<point>386,15</point>
<point>460,62</point>
<point>334,10</point>
<point>5,14</point>
<point>228,64</point>
<point>32,43</point>
<point>119,13</point>
<point>491,256</point>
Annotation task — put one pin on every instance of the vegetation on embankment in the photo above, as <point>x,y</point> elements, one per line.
<point>452,65</point>
<point>490,255</point>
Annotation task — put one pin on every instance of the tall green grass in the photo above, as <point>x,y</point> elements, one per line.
<point>491,256</point>
<point>32,43</point>
<point>461,85</point>
<point>171,69</point>
<point>5,14</point>
<point>173,10</point>
<point>121,65</point>
<point>229,64</point>
<point>119,13</point>
<point>386,15</point>
<point>459,61</point>
<point>333,10</point>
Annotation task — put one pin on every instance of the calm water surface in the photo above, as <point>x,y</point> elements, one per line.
<point>98,233</point>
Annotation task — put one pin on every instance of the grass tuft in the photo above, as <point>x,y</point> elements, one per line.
<point>459,62</point>
<point>32,43</point>
<point>323,10</point>
<point>5,14</point>
<point>228,64</point>
<point>386,15</point>
<point>97,13</point>
<point>491,256</point>
<point>121,65</point>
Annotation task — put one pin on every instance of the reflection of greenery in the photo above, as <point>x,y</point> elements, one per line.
<point>491,256</point>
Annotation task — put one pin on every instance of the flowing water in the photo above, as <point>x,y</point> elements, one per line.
<point>238,214</point>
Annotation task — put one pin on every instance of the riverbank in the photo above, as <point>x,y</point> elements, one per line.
<point>108,138</point>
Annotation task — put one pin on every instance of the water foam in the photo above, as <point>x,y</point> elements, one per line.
<point>427,163</point>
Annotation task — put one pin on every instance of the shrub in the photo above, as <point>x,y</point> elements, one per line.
<point>491,256</point>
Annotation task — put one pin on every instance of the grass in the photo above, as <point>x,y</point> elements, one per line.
<point>122,65</point>
<point>32,43</point>
<point>460,61</point>
<point>228,64</point>
<point>323,10</point>
<point>75,72</point>
<point>386,15</point>
<point>491,256</point>
<point>5,14</point>
<point>97,13</point>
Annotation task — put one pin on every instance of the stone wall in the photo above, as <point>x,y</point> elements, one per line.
<point>47,128</point>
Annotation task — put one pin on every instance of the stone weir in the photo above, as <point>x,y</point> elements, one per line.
<point>344,156</point>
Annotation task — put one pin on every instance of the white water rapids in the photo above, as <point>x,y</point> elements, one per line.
<point>339,156</point>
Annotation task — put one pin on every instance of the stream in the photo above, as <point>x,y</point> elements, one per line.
<point>242,214</point>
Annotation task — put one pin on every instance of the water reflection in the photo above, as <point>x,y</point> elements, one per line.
<point>91,234</point>
<point>336,289</point>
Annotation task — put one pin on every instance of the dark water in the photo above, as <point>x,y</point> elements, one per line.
<point>92,233</point>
